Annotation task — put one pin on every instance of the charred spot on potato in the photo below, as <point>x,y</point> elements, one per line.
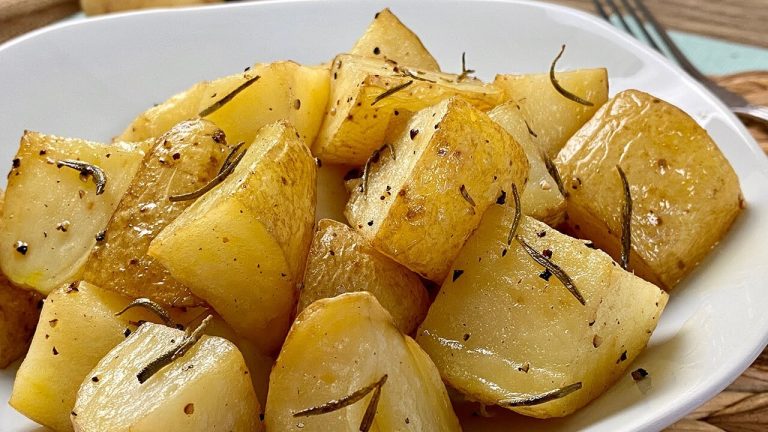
<point>21,247</point>
<point>622,357</point>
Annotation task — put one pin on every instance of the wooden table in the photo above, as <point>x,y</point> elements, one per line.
<point>743,407</point>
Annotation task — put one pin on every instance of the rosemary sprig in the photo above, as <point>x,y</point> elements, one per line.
<point>466,196</point>
<point>87,170</point>
<point>552,170</point>
<point>372,159</point>
<point>530,131</point>
<point>409,74</point>
<point>151,306</point>
<point>337,404</point>
<point>518,215</point>
<point>231,95</point>
<point>370,410</point>
<point>464,71</point>
<point>521,399</point>
<point>211,184</point>
<point>559,88</point>
<point>231,157</point>
<point>190,339</point>
<point>626,221</point>
<point>391,91</point>
<point>553,268</point>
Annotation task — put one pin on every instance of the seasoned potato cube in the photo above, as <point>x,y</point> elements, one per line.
<point>208,389</point>
<point>77,328</point>
<point>183,160</point>
<point>685,194</point>
<point>354,343</point>
<point>340,261</point>
<point>505,331</point>
<point>242,103</point>
<point>19,311</point>
<point>389,39</point>
<point>365,96</point>
<point>241,247</point>
<point>552,116</point>
<point>541,198</point>
<point>420,203</point>
<point>52,214</point>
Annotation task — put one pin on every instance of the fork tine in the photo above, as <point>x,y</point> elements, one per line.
<point>640,23</point>
<point>615,10</point>
<point>601,11</point>
<point>671,45</point>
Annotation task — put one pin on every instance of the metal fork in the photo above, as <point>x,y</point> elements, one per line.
<point>643,16</point>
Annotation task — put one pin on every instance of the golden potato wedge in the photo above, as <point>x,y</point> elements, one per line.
<point>208,389</point>
<point>552,116</point>
<point>242,103</point>
<point>420,203</point>
<point>354,343</point>
<point>388,38</point>
<point>505,331</point>
<point>19,311</point>
<point>541,198</point>
<point>340,261</point>
<point>77,327</point>
<point>184,159</point>
<point>51,215</point>
<point>241,247</point>
<point>365,96</point>
<point>685,194</point>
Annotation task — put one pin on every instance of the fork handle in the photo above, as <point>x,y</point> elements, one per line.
<point>753,112</point>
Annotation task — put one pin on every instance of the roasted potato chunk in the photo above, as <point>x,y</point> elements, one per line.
<point>53,213</point>
<point>541,198</point>
<point>77,327</point>
<point>366,93</point>
<point>241,247</point>
<point>242,103</point>
<point>685,194</point>
<point>389,39</point>
<point>340,261</point>
<point>425,195</point>
<point>505,331</point>
<point>550,115</point>
<point>19,311</point>
<point>208,389</point>
<point>184,159</point>
<point>354,343</point>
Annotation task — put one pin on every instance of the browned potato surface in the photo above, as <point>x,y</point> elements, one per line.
<point>504,331</point>
<point>422,202</point>
<point>685,194</point>
<point>19,311</point>
<point>367,93</point>
<point>340,261</point>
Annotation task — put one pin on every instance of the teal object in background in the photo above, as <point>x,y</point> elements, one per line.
<point>718,57</point>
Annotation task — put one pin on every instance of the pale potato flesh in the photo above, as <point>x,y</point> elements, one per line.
<point>54,212</point>
<point>241,247</point>
<point>77,327</point>
<point>552,116</point>
<point>284,90</point>
<point>685,194</point>
<point>541,198</point>
<point>183,160</point>
<point>356,122</point>
<point>499,329</point>
<point>414,209</point>
<point>340,261</point>
<point>388,38</point>
<point>207,389</point>
<point>354,342</point>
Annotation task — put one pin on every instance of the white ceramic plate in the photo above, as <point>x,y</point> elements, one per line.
<point>89,79</point>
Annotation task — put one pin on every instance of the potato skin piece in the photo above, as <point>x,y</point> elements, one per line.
<point>340,261</point>
<point>184,159</point>
<point>685,194</point>
<point>388,38</point>
<point>424,219</point>
<point>499,327</point>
